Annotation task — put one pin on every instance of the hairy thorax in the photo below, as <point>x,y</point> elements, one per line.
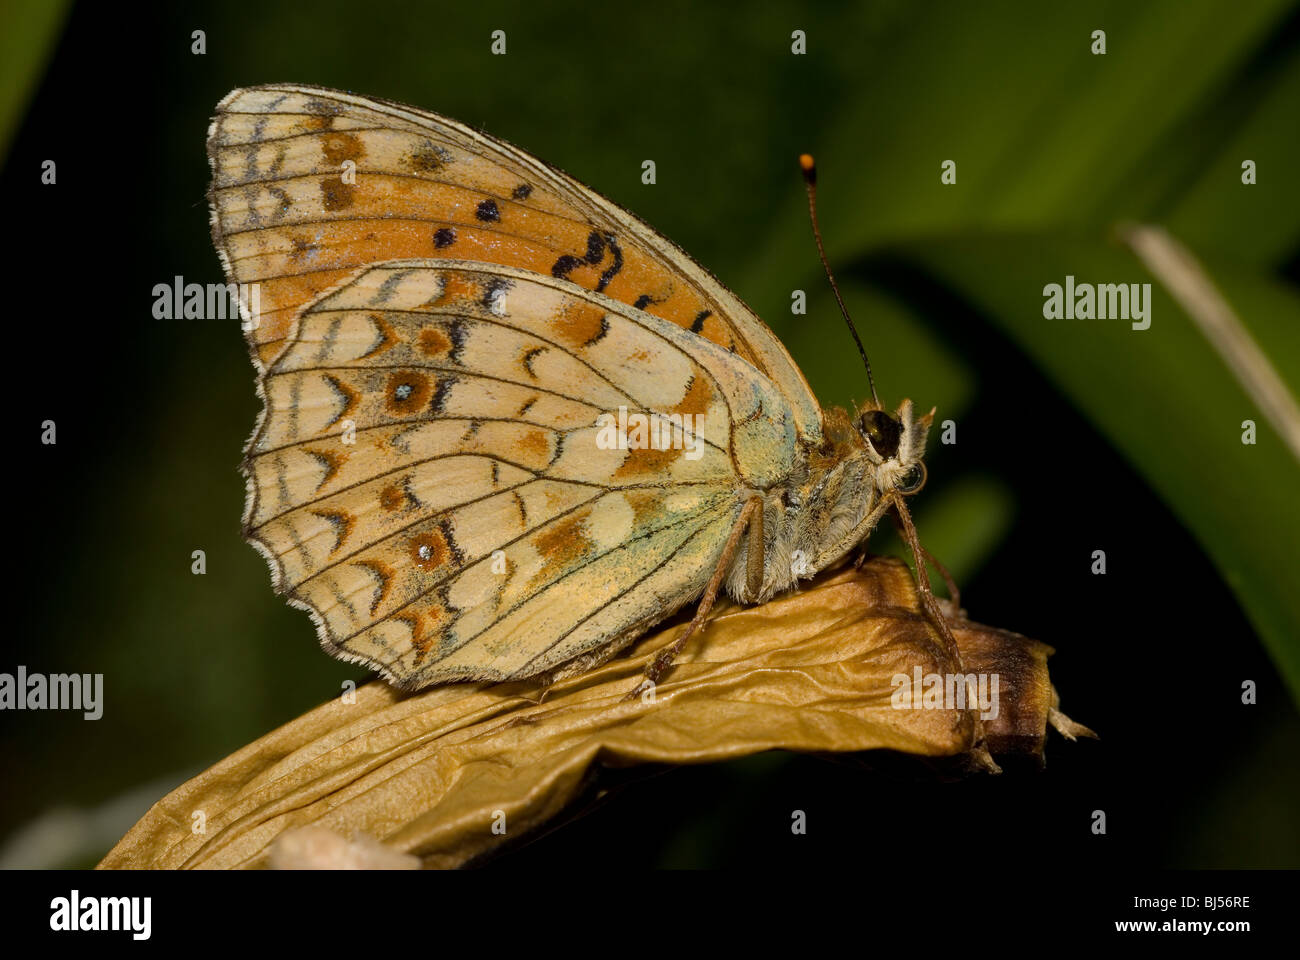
<point>816,518</point>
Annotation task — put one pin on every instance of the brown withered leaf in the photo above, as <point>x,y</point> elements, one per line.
<point>428,774</point>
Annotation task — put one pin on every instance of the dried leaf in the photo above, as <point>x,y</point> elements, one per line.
<point>431,773</point>
<point>315,848</point>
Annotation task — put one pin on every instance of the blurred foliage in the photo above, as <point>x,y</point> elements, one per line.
<point>1167,401</point>
<point>1054,146</point>
<point>28,30</point>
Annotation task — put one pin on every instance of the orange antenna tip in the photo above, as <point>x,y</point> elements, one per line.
<point>810,180</point>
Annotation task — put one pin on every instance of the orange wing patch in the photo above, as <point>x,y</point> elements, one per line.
<point>434,342</point>
<point>392,497</point>
<point>580,324</point>
<point>699,397</point>
<point>432,550</point>
<point>562,546</point>
<point>646,463</point>
<point>408,392</point>
<point>424,187</point>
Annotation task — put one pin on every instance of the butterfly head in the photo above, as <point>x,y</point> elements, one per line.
<point>895,444</point>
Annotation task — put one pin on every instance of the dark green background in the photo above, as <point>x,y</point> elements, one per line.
<point>1072,437</point>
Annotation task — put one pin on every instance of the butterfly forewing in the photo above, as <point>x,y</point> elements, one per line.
<point>311,184</point>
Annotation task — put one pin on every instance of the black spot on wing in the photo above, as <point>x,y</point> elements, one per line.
<point>341,524</point>
<point>697,325</point>
<point>439,402</point>
<point>529,357</point>
<point>410,494</point>
<point>430,158</point>
<point>390,285</point>
<point>521,192</point>
<point>284,206</point>
<point>597,245</point>
<point>612,270</point>
<point>457,332</point>
<point>600,334</point>
<point>565,265</point>
<point>488,211</point>
<point>444,237</point>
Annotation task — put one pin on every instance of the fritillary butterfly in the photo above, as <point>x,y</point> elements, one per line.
<point>508,426</point>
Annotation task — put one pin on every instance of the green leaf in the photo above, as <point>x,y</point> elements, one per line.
<point>1164,398</point>
<point>1045,134</point>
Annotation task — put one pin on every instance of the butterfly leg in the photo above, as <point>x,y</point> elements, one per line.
<point>544,684</point>
<point>954,594</point>
<point>979,749</point>
<point>750,516</point>
<point>864,551</point>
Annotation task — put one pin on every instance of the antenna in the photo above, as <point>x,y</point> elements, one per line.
<point>809,169</point>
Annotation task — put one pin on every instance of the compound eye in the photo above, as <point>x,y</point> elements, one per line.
<point>883,431</point>
<point>913,480</point>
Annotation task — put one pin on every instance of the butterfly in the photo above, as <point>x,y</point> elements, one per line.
<point>507,426</point>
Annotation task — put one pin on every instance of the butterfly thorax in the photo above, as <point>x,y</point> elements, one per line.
<point>831,504</point>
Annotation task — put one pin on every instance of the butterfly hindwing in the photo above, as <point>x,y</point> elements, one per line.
<point>430,481</point>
